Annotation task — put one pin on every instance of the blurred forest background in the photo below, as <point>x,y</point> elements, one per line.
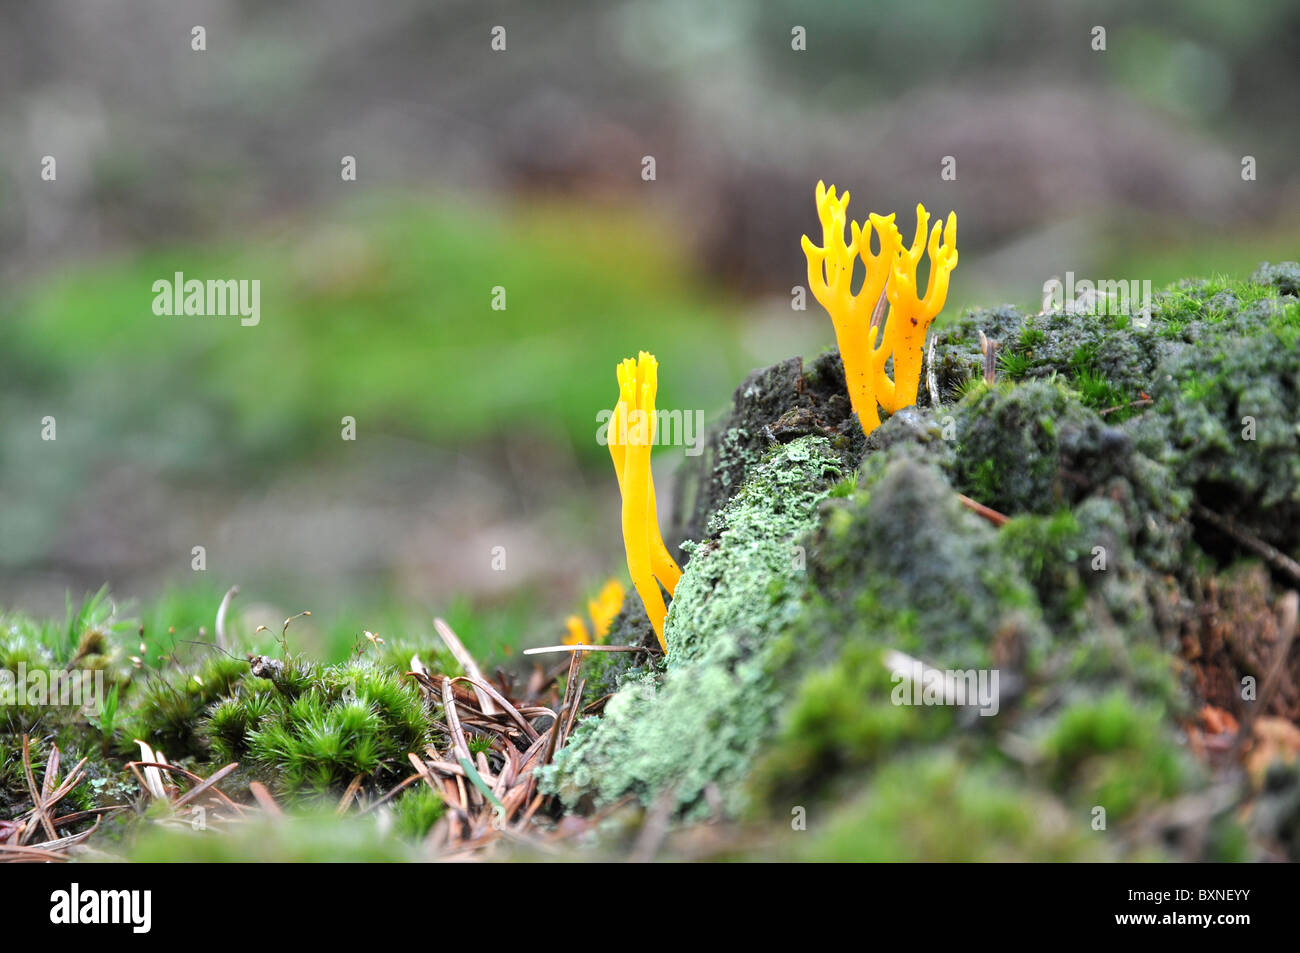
<point>523,169</point>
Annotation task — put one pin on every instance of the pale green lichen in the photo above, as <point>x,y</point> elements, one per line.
<point>702,721</point>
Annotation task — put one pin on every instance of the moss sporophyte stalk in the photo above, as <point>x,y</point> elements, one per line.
<point>865,345</point>
<point>631,434</point>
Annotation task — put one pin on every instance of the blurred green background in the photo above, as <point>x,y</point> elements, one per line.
<point>523,168</point>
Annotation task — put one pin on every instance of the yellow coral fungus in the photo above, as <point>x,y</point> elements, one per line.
<point>631,434</point>
<point>576,631</point>
<point>602,611</point>
<point>865,347</point>
<point>910,315</point>
<point>605,607</point>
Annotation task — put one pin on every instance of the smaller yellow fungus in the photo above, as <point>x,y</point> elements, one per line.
<point>602,610</point>
<point>577,631</point>
<point>631,434</point>
<point>605,607</point>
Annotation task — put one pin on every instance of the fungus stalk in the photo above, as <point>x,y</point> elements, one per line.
<point>631,434</point>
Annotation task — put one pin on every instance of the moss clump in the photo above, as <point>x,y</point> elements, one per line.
<point>168,708</point>
<point>1110,752</point>
<point>416,811</point>
<point>904,555</point>
<point>700,723</point>
<point>900,566</point>
<point>339,721</point>
<point>841,718</point>
<point>933,806</point>
<point>85,640</point>
<point>1106,359</point>
<point>1019,445</point>
<point>1284,276</point>
<point>1226,422</point>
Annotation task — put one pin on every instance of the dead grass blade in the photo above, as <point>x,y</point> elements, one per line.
<point>38,802</point>
<point>549,649</point>
<point>510,709</point>
<point>16,853</point>
<point>349,795</point>
<point>570,687</point>
<point>264,799</point>
<point>212,779</point>
<point>457,649</point>
<point>457,733</point>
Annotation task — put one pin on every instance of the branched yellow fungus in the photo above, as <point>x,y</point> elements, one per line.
<point>631,434</point>
<point>865,347</point>
<point>910,315</point>
<point>602,611</point>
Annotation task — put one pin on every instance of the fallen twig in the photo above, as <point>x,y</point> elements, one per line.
<point>1278,560</point>
<point>547,649</point>
<point>457,649</point>
<point>993,516</point>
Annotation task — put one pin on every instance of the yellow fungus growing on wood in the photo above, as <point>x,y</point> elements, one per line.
<point>602,611</point>
<point>910,315</point>
<point>865,336</point>
<point>605,607</point>
<point>631,434</point>
<point>576,631</point>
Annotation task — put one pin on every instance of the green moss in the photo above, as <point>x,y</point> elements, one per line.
<point>416,810</point>
<point>901,565</point>
<point>1030,336</point>
<point>1111,752</point>
<point>357,718</point>
<point>1283,278</point>
<point>1225,422</point>
<point>1051,551</point>
<point>1012,444</point>
<point>167,709</point>
<point>1014,364</point>
<point>841,719</point>
<point>933,806</point>
<point>845,488</point>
